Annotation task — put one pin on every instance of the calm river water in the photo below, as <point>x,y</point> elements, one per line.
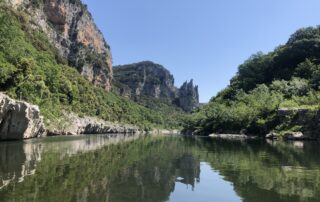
<point>118,168</point>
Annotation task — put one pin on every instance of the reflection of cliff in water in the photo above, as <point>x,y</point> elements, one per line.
<point>151,168</point>
<point>143,170</point>
<point>188,170</point>
<point>148,173</point>
<point>19,159</point>
<point>153,179</point>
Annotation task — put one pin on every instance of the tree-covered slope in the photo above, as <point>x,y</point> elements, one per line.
<point>287,77</point>
<point>31,69</point>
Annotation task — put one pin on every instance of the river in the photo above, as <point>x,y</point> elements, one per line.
<point>122,168</point>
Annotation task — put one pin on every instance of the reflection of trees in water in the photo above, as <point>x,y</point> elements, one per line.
<point>143,170</point>
<point>278,172</point>
<point>148,168</point>
<point>19,159</point>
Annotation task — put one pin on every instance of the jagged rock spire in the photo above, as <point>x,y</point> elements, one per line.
<point>188,96</point>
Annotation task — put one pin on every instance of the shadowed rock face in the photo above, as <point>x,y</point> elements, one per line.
<point>71,29</point>
<point>153,80</point>
<point>19,120</point>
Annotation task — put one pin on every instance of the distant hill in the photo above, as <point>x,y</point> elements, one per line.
<point>149,80</point>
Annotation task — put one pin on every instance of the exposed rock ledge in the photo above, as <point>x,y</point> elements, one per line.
<point>232,136</point>
<point>76,125</point>
<point>19,120</point>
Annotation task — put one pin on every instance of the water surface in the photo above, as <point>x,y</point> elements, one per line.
<point>163,168</point>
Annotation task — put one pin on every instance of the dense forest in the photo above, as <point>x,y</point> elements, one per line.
<point>285,79</point>
<point>32,70</point>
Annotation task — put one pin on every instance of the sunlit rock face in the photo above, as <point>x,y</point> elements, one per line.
<point>188,96</point>
<point>71,29</point>
<point>147,79</point>
<point>76,125</point>
<point>19,120</point>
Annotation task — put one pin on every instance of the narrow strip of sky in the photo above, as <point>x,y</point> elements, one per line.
<point>205,39</point>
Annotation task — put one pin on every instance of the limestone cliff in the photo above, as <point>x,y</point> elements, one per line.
<point>153,80</point>
<point>145,78</point>
<point>188,96</point>
<point>71,29</point>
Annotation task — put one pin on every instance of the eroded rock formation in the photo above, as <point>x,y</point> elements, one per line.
<point>153,80</point>
<point>71,29</point>
<point>145,79</point>
<point>188,96</point>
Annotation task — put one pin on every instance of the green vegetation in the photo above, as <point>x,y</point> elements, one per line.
<point>148,169</point>
<point>287,77</point>
<point>105,173</point>
<point>31,69</point>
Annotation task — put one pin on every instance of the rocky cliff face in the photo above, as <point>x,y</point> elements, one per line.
<point>188,96</point>
<point>71,29</point>
<point>145,79</point>
<point>153,80</point>
<point>19,120</point>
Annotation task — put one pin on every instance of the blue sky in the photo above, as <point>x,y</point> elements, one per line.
<point>201,39</point>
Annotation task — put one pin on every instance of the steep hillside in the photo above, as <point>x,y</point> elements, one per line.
<point>72,31</point>
<point>277,92</point>
<point>32,69</point>
<point>147,80</point>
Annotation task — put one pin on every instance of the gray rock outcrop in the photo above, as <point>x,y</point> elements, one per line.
<point>188,96</point>
<point>19,120</point>
<point>147,79</point>
<point>75,125</point>
<point>294,136</point>
<point>71,29</point>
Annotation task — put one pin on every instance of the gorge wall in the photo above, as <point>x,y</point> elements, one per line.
<point>153,80</point>
<point>71,29</point>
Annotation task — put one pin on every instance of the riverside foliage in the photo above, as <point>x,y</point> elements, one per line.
<point>287,77</point>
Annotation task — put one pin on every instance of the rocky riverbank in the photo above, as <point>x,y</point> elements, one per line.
<point>233,136</point>
<point>75,125</point>
<point>288,136</point>
<point>21,120</point>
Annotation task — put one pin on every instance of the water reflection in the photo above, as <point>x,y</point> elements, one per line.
<point>162,168</point>
<point>19,159</point>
